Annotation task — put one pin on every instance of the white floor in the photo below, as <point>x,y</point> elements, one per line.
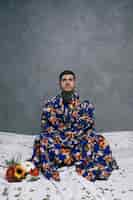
<point>72,186</point>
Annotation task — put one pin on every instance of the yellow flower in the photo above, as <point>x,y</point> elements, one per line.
<point>19,172</point>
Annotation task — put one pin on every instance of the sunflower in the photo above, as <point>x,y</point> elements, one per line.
<point>20,172</point>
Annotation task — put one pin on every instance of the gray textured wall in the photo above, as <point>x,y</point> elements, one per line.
<point>39,39</point>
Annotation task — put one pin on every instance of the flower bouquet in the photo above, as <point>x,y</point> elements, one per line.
<point>18,170</point>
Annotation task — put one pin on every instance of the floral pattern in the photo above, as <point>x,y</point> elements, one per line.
<point>68,137</point>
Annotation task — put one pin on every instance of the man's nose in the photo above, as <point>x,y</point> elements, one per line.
<point>67,83</point>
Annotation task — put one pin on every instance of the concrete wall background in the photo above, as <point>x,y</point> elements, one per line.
<point>39,39</point>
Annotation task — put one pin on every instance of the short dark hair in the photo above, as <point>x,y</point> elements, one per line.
<point>67,72</point>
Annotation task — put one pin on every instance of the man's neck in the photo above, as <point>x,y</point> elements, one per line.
<point>67,95</point>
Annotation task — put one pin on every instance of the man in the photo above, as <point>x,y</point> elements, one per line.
<point>68,136</point>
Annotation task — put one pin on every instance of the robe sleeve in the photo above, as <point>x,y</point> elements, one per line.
<point>86,119</point>
<point>48,119</point>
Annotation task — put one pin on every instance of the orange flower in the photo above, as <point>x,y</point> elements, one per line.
<point>34,172</point>
<point>90,176</point>
<point>68,160</point>
<point>79,171</point>
<point>45,166</point>
<point>15,173</point>
<point>49,129</point>
<point>75,114</point>
<point>65,150</point>
<point>38,151</point>
<point>57,139</point>
<point>70,134</point>
<point>78,156</point>
<point>45,141</point>
<point>103,143</point>
<point>52,120</point>
<point>100,138</point>
<point>61,126</point>
<point>105,174</point>
<point>100,166</point>
<point>10,174</point>
<point>108,158</point>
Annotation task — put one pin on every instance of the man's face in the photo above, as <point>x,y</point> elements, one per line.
<point>67,82</point>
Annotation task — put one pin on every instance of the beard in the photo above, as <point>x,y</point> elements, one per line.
<point>67,96</point>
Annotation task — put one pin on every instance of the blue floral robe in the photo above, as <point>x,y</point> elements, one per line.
<point>68,137</point>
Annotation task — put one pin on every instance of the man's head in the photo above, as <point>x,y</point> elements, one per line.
<point>67,80</point>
